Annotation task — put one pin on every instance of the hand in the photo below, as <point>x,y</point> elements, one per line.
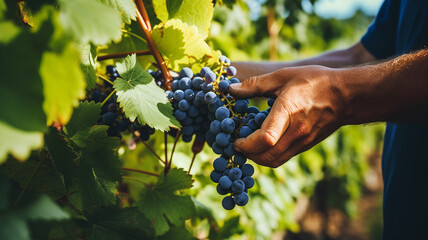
<point>307,110</point>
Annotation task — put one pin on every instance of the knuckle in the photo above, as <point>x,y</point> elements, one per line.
<point>269,137</point>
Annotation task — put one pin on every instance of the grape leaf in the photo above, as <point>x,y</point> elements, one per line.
<point>115,223</point>
<point>177,233</point>
<point>88,64</point>
<point>140,97</point>
<point>42,208</point>
<point>126,8</point>
<point>84,116</point>
<point>2,8</point>
<point>193,13</point>
<point>18,142</point>
<point>182,46</point>
<point>163,206</point>
<point>90,21</point>
<point>21,56</point>
<point>63,84</point>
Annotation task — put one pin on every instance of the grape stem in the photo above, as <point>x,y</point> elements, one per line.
<point>140,171</point>
<point>144,22</point>
<point>108,97</point>
<point>151,149</point>
<point>167,166</point>
<point>123,54</point>
<point>166,146</point>
<point>105,79</point>
<point>191,163</point>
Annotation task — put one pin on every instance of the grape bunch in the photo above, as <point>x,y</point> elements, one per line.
<point>204,108</point>
<point>111,113</point>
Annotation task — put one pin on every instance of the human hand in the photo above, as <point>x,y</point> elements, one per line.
<point>308,108</point>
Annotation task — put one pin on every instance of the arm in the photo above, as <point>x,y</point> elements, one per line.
<point>354,55</point>
<point>313,102</point>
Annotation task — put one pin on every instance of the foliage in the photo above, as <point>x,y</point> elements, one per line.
<point>63,177</point>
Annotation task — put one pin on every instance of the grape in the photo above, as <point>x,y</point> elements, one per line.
<point>210,77</point>
<point>229,151</point>
<point>234,80</point>
<point>236,173</point>
<point>239,159</point>
<point>210,98</point>
<point>205,70</point>
<point>189,94</point>
<point>260,117</point>
<point>215,176</point>
<point>245,132</point>
<point>186,72</point>
<point>253,125</point>
<point>108,118</point>
<point>223,86</point>
<point>196,83</point>
<point>185,83</point>
<point>228,203</point>
<point>253,109</point>
<point>187,138</point>
<point>217,149</point>
<point>187,130</point>
<point>249,182</point>
<point>200,97</point>
<point>241,106</point>
<point>174,85</point>
<point>231,71</point>
<point>122,125</point>
<point>225,182</point>
<point>241,199</point>
<point>184,105</point>
<point>222,139</point>
<point>178,95</point>
<point>169,95</point>
<point>180,115</point>
<point>238,186</point>
<point>215,127</point>
<point>271,101</point>
<point>222,113</point>
<point>206,87</point>
<point>210,137</point>
<point>221,190</point>
<point>227,125</point>
<point>220,164</point>
<point>247,170</point>
<point>110,69</point>
<point>193,111</point>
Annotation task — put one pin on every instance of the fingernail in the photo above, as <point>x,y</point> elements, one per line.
<point>234,85</point>
<point>237,144</point>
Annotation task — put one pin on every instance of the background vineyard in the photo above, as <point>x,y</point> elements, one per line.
<point>61,176</point>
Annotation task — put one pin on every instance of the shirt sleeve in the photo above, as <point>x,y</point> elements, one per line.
<point>380,37</point>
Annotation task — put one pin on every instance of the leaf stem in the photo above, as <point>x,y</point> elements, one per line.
<point>105,79</point>
<point>166,146</point>
<point>123,54</point>
<point>39,165</point>
<point>144,22</point>
<point>153,151</point>
<point>138,180</point>
<point>108,97</point>
<point>140,171</point>
<point>191,163</point>
<point>175,144</point>
<point>135,35</point>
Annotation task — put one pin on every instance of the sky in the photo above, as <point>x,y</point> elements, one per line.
<point>344,8</point>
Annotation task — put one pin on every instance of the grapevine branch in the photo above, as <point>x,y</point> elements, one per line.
<point>153,151</point>
<point>138,180</point>
<point>144,22</point>
<point>140,171</point>
<point>191,163</point>
<point>123,54</point>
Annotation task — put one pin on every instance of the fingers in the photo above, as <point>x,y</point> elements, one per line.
<point>257,86</point>
<point>270,132</point>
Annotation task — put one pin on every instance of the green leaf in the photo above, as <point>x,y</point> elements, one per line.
<point>47,180</point>
<point>10,31</point>
<point>2,8</point>
<point>90,21</point>
<point>22,57</point>
<point>17,142</point>
<point>126,8</point>
<point>141,98</point>
<point>193,13</point>
<point>182,46</point>
<point>177,233</point>
<point>42,208</point>
<point>163,206</point>
<point>115,223</point>
<point>84,116</point>
<point>63,84</point>
<point>13,228</point>
<point>62,155</point>
<point>88,64</point>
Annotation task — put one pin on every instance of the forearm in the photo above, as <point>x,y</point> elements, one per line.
<point>354,55</point>
<point>396,90</point>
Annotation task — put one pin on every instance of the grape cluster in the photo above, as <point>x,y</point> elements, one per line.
<point>203,107</point>
<point>112,115</point>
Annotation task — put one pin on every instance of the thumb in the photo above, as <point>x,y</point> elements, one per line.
<point>256,86</point>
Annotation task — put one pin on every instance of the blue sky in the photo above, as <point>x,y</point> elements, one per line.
<point>345,8</point>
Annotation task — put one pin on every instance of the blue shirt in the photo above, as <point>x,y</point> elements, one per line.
<point>401,26</point>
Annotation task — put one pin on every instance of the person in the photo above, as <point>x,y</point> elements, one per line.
<point>316,96</point>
